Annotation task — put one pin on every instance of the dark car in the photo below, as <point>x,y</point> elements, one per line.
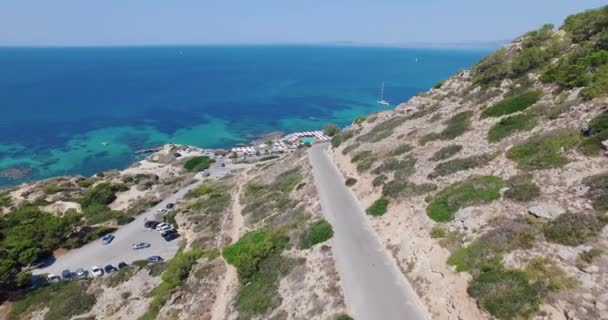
<point>110,268</point>
<point>151,224</point>
<point>66,274</point>
<point>122,265</point>
<point>170,205</point>
<point>154,259</point>
<point>171,236</point>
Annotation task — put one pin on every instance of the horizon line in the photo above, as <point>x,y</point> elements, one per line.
<point>421,45</point>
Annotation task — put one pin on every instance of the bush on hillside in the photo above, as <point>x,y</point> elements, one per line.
<point>572,229</point>
<point>349,182</point>
<point>455,126</point>
<point>452,166</point>
<point>199,163</point>
<point>401,149</point>
<point>491,70</point>
<point>508,126</point>
<point>513,104</point>
<point>331,129</point>
<point>382,130</point>
<point>522,189</point>
<point>598,191</point>
<point>446,152</point>
<point>598,132</point>
<point>102,194</point>
<point>318,232</point>
<point>506,294</point>
<point>364,160</point>
<point>378,208</point>
<point>585,25</point>
<point>402,187</point>
<point>544,151</point>
<point>341,137</point>
<point>473,191</point>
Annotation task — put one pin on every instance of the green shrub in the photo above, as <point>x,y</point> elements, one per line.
<point>341,137</point>
<point>598,128</point>
<point>513,104</point>
<point>529,59</point>
<point>538,37</point>
<point>382,130</point>
<point>64,301</point>
<point>343,317</point>
<point>364,160</point>
<point>379,180</point>
<point>5,200</point>
<point>318,232</point>
<point>399,187</point>
<point>583,26</point>
<point>598,191</point>
<point>543,271</point>
<point>174,275</point>
<point>446,152</point>
<point>439,84</point>
<point>102,194</point>
<point>52,189</point>
<point>491,70</point>
<point>359,120</point>
<point>522,188</point>
<point>510,125</point>
<point>97,213</point>
<point>572,229</point>
<point>455,126</point>
<point>456,165</point>
<point>473,191</point>
<point>478,255</point>
<point>253,247</point>
<point>350,182</point>
<point>544,151</point>
<point>199,163</point>
<point>598,86</point>
<point>506,294</point>
<point>201,190</point>
<point>438,232</point>
<point>350,148</point>
<point>401,149</point>
<point>85,183</point>
<point>331,129</point>
<point>378,208</point>
<point>402,168</point>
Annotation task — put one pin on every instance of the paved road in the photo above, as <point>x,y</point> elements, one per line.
<point>373,287</point>
<point>119,250</point>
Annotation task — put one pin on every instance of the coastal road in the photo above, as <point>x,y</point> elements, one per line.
<point>119,250</point>
<point>373,286</point>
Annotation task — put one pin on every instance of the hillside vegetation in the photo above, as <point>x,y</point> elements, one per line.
<point>503,168</point>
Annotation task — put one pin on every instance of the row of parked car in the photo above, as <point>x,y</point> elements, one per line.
<point>95,271</point>
<point>166,230</point>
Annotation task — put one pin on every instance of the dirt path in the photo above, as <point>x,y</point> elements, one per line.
<point>230,281</point>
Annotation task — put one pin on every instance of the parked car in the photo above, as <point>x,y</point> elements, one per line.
<point>66,274</point>
<point>52,278</point>
<point>81,273</point>
<point>154,259</point>
<point>151,224</point>
<point>171,236</point>
<point>165,228</point>
<point>140,245</point>
<point>223,165</point>
<point>170,205</point>
<point>122,265</point>
<point>110,268</point>
<point>161,226</point>
<point>96,271</point>
<point>107,238</point>
<point>167,232</point>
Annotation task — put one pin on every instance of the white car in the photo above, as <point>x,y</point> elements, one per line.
<point>96,271</point>
<point>165,228</point>
<point>53,278</point>
<point>162,225</point>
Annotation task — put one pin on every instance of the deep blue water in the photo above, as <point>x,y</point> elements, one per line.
<point>59,104</point>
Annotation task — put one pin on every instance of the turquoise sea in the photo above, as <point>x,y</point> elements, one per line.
<point>85,110</point>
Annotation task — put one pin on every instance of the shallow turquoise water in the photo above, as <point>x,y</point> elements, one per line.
<point>84,110</point>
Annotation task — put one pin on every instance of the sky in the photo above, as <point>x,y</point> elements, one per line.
<point>388,22</point>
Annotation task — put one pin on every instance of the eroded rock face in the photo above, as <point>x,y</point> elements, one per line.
<point>546,211</point>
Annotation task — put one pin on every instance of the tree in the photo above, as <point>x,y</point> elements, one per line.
<point>331,129</point>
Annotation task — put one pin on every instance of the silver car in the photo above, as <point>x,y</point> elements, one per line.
<point>140,245</point>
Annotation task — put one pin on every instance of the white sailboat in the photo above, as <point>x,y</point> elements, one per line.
<point>382,101</point>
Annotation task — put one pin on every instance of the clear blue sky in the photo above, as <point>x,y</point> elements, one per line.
<point>137,22</point>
